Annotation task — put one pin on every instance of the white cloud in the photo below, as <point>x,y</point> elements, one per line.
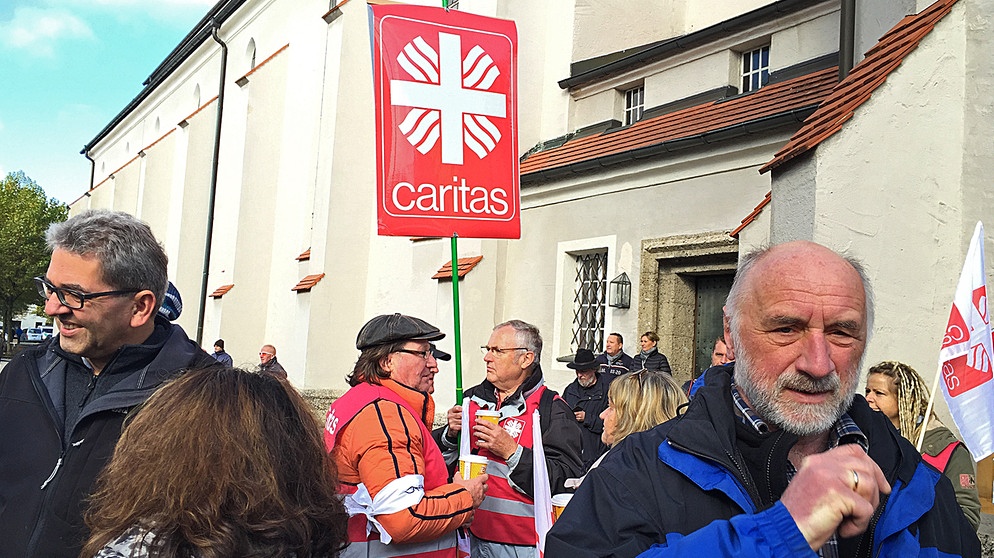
<point>35,30</point>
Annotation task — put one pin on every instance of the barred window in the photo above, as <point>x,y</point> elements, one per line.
<point>634,104</point>
<point>755,68</point>
<point>589,301</point>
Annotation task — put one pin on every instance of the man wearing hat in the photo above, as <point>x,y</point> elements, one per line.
<point>378,433</point>
<point>587,396</point>
<point>221,356</point>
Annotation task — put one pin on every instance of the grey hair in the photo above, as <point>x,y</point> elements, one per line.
<point>749,261</point>
<point>525,335</point>
<point>130,257</point>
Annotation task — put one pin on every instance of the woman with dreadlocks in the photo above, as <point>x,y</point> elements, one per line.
<point>896,390</point>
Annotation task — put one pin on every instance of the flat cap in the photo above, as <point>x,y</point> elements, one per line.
<point>389,328</point>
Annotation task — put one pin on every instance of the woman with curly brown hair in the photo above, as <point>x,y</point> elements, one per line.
<point>219,463</point>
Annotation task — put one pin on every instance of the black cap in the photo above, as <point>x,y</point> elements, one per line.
<point>439,354</point>
<point>584,360</point>
<point>389,328</point>
<point>219,343</point>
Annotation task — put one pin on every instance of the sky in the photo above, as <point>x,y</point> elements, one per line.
<point>67,68</point>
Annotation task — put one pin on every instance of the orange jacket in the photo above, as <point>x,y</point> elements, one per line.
<point>384,442</point>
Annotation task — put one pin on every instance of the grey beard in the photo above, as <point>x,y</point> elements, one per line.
<point>798,419</point>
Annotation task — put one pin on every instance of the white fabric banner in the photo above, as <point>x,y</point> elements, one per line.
<point>543,493</point>
<point>965,357</point>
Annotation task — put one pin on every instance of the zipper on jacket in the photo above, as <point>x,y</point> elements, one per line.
<point>89,391</point>
<point>871,528</point>
<point>54,471</point>
<point>742,476</point>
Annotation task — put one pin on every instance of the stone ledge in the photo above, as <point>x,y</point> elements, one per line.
<point>321,399</point>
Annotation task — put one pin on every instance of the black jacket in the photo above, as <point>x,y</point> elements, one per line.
<point>655,361</point>
<point>592,401</point>
<point>681,487</point>
<point>622,365</point>
<point>45,477</point>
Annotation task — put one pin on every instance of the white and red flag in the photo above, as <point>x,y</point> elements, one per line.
<point>965,357</point>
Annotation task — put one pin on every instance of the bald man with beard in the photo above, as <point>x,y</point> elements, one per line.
<point>777,455</point>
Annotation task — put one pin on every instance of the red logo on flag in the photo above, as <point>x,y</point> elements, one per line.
<point>972,369</point>
<point>446,118</point>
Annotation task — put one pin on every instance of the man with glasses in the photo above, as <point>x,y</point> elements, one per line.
<point>268,363</point>
<point>378,433</point>
<point>63,403</point>
<point>777,455</point>
<point>505,525</point>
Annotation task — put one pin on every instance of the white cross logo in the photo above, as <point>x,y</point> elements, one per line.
<point>451,90</point>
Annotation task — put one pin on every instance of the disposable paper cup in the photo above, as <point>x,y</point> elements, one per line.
<point>559,502</point>
<point>472,466</point>
<point>489,416</point>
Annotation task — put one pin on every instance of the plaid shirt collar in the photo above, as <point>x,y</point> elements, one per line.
<point>844,431</point>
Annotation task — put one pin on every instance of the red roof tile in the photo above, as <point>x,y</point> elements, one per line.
<point>465,266</point>
<point>774,99</point>
<point>304,256</point>
<point>752,216</point>
<point>859,85</point>
<point>221,291</point>
<point>307,283</point>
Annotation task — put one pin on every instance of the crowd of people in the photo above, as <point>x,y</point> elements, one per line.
<point>120,437</point>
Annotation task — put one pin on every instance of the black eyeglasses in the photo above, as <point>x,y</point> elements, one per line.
<point>71,298</point>
<point>422,354</point>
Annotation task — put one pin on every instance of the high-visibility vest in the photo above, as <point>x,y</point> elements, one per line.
<point>506,515</point>
<point>941,461</point>
<point>342,411</point>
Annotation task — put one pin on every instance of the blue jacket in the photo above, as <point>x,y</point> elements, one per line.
<point>678,490</point>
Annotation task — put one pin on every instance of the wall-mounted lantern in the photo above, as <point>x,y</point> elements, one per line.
<point>620,292</point>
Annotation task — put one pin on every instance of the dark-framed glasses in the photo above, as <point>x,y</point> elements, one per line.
<point>485,349</point>
<point>71,298</point>
<point>422,354</point>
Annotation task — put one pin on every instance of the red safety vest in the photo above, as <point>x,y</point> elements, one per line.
<point>941,461</point>
<point>507,516</point>
<point>341,412</point>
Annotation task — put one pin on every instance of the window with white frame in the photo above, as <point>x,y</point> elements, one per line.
<point>755,68</point>
<point>589,301</point>
<point>634,104</point>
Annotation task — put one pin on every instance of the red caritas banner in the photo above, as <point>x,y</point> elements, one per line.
<point>446,123</point>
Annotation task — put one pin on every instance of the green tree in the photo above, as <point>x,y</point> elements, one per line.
<point>25,214</point>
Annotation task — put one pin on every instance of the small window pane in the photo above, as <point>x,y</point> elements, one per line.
<point>755,68</point>
<point>634,105</point>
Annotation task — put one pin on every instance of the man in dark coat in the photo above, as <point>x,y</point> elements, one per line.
<point>777,455</point>
<point>587,396</point>
<point>613,360</point>
<point>63,403</point>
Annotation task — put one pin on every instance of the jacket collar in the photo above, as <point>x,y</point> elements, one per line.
<point>708,429</point>
<point>488,392</point>
<point>419,400</point>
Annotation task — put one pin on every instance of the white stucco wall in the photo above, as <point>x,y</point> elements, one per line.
<point>902,185</point>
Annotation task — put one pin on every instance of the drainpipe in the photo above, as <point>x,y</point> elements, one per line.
<point>213,188</point>
<point>93,166</point>
<point>847,37</point>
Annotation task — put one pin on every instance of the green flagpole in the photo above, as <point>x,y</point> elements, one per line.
<point>455,314</point>
<point>445,4</point>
